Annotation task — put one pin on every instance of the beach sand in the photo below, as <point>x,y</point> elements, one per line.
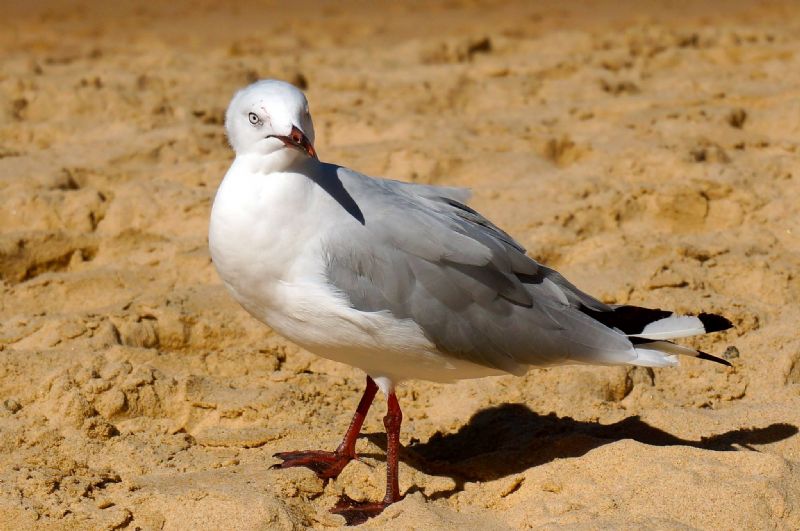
<point>649,151</point>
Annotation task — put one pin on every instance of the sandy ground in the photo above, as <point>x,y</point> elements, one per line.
<point>649,153</point>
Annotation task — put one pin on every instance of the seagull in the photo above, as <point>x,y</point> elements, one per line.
<point>403,281</point>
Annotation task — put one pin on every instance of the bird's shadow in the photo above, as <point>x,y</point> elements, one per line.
<point>510,438</point>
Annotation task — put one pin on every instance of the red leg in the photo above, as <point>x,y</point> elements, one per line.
<point>328,465</point>
<point>356,512</point>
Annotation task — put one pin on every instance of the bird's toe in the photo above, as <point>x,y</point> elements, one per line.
<point>326,465</point>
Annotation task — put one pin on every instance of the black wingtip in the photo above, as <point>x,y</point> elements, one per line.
<point>714,323</point>
<point>709,357</point>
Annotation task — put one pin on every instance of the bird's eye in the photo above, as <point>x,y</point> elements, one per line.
<point>254,119</point>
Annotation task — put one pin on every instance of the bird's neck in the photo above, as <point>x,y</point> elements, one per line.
<point>282,160</point>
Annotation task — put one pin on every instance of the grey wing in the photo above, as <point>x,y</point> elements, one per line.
<point>465,282</point>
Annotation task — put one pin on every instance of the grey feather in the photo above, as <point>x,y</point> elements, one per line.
<point>423,255</point>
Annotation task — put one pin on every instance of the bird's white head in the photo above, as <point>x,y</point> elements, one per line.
<point>270,117</point>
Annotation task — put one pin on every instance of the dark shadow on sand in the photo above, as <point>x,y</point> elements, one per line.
<point>508,439</point>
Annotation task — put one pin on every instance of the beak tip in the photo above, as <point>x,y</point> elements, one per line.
<point>300,140</point>
<point>297,139</point>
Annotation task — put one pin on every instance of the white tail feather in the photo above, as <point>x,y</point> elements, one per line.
<point>672,327</point>
<point>646,357</point>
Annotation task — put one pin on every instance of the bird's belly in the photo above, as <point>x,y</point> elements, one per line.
<point>383,346</point>
<point>311,315</point>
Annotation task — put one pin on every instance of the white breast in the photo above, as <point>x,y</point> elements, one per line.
<point>258,231</point>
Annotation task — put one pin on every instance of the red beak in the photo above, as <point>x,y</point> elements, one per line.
<point>297,139</point>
